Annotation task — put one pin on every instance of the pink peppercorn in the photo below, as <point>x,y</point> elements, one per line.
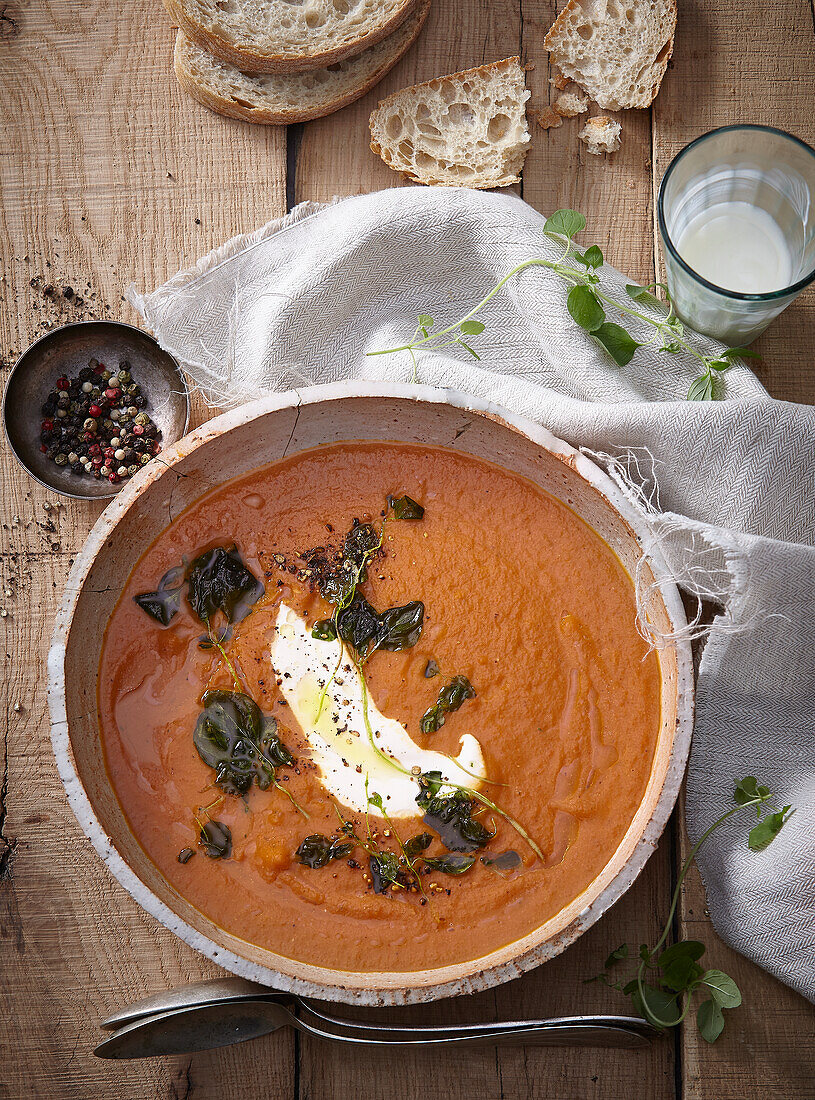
<point>138,429</point>
<point>94,411</point>
<point>63,383</point>
<point>97,461</point>
<point>113,478</point>
<point>47,426</point>
<point>111,393</point>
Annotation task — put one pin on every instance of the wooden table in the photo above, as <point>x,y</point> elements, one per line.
<point>111,175</point>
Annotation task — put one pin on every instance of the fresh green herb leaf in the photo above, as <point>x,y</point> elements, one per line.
<point>431,669</point>
<point>450,698</point>
<point>719,364</point>
<point>218,580</point>
<point>617,342</point>
<point>617,955</point>
<point>723,989</point>
<point>471,327</point>
<point>680,974</point>
<point>472,351</point>
<point>406,507</point>
<point>324,630</point>
<point>748,790</point>
<point>658,1006</point>
<point>642,294</point>
<point>585,308</point>
<point>317,851</point>
<point>768,829</point>
<point>710,1020</point>
<point>690,949</point>
<point>216,840</point>
<point>239,742</point>
<point>701,388</point>
<point>593,257</point>
<point>740,353</point>
<point>426,321</point>
<point>565,223</point>
<point>450,864</point>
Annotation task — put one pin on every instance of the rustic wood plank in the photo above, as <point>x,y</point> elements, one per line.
<point>109,175</point>
<point>721,75</point>
<point>333,158</point>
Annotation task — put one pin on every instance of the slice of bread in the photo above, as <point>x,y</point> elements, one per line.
<point>463,130</point>
<point>601,134</point>
<point>283,98</point>
<point>287,36</point>
<point>618,50</point>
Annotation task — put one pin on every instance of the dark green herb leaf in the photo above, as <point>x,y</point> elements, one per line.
<point>593,257</point>
<point>216,840</point>
<point>219,581</point>
<point>471,327</point>
<point>450,864</point>
<point>565,223</point>
<point>163,604</point>
<point>723,989</point>
<point>617,342</point>
<point>358,624</point>
<point>690,949</point>
<point>239,742</point>
<point>657,1005</point>
<point>317,851</point>
<point>748,789</point>
<point>360,541</point>
<point>430,783</point>
<point>767,830</point>
<point>450,698</point>
<point>472,351</point>
<point>719,364</point>
<point>400,627</point>
<point>406,507</point>
<point>418,844</point>
<point>585,308</point>
<point>681,973</point>
<point>324,630</point>
<point>642,294</point>
<point>701,388</point>
<point>740,353</point>
<point>710,1020</point>
<point>431,669</point>
<point>504,863</point>
<point>384,869</point>
<point>451,817</point>
<point>617,955</point>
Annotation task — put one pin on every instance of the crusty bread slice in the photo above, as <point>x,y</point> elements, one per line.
<point>287,36</point>
<point>283,98</point>
<point>618,50</point>
<point>463,130</point>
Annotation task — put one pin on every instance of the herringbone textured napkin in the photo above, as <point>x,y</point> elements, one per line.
<point>302,300</point>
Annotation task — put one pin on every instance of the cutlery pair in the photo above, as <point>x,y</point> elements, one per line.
<point>218,1013</point>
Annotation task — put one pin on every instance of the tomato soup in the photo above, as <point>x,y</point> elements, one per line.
<point>490,641</point>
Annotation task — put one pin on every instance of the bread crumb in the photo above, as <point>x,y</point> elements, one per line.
<point>601,134</point>
<point>571,104</point>
<point>549,119</point>
<point>558,80</point>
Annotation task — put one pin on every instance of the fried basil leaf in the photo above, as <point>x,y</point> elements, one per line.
<point>418,844</point>
<point>450,864</point>
<point>216,840</point>
<point>164,604</point>
<point>451,817</point>
<point>219,581</point>
<point>358,624</point>
<point>317,851</point>
<point>360,541</point>
<point>384,868</point>
<point>406,507</point>
<point>324,630</point>
<point>397,628</point>
<point>504,863</point>
<point>450,698</point>
<point>235,738</point>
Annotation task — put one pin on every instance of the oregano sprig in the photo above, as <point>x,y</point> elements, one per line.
<point>668,977</point>
<point>586,302</point>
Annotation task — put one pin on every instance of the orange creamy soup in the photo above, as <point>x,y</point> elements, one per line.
<point>500,591</point>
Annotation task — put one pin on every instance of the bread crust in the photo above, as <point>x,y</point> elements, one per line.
<point>230,109</point>
<point>249,61</point>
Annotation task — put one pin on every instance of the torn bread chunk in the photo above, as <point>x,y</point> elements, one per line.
<point>464,130</point>
<point>572,104</point>
<point>549,119</point>
<point>601,134</point>
<point>618,50</point>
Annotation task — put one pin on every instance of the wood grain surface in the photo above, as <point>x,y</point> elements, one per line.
<point>111,176</point>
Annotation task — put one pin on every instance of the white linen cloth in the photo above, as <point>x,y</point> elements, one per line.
<point>732,483</point>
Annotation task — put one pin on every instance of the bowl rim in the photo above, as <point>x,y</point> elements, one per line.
<point>56,333</point>
<point>394,987</point>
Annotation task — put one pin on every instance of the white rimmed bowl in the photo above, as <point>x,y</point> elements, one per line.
<point>260,433</point>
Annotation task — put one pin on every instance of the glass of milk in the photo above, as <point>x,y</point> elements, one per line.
<point>736,214</point>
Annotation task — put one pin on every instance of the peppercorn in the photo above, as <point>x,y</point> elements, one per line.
<point>133,469</point>
<point>94,410</point>
<point>113,479</point>
<point>63,383</point>
<point>60,459</point>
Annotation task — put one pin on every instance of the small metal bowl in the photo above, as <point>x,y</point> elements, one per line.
<point>65,351</point>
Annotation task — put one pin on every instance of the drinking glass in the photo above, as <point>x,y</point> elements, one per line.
<point>760,165</point>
